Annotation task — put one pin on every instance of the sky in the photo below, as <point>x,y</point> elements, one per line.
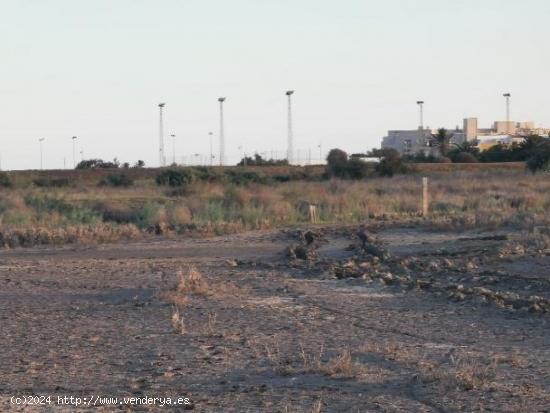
<point>97,69</point>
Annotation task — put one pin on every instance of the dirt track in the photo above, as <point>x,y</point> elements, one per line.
<point>93,321</point>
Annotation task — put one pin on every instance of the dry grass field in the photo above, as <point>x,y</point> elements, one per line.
<point>225,293</point>
<point>83,211</point>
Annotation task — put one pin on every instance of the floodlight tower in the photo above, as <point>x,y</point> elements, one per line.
<point>420,104</point>
<point>290,143</point>
<point>41,157</point>
<point>74,153</point>
<point>173,136</point>
<point>507,96</point>
<point>211,154</point>
<point>162,158</point>
<point>222,137</point>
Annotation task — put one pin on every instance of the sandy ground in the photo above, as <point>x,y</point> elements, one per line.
<point>271,334</point>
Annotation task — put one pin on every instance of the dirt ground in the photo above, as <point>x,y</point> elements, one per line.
<point>437,322</point>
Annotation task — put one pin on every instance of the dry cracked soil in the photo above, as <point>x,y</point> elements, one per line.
<point>446,322</point>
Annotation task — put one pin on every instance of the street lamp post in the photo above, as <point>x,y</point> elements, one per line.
<point>173,148</point>
<point>507,96</point>
<point>74,153</point>
<point>420,104</point>
<point>222,137</point>
<point>211,154</point>
<point>162,158</point>
<point>290,147</point>
<point>41,153</point>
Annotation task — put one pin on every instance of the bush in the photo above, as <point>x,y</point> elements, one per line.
<point>205,173</point>
<point>391,164</point>
<point>117,180</point>
<point>245,177</point>
<point>281,178</point>
<point>97,164</point>
<point>496,153</point>
<point>51,182</point>
<point>524,151</point>
<point>259,161</point>
<point>175,177</point>
<point>142,215</point>
<point>73,213</point>
<point>464,157</point>
<point>421,157</point>
<point>540,161</point>
<point>337,161</point>
<point>339,165</point>
<point>357,169</point>
<point>5,180</point>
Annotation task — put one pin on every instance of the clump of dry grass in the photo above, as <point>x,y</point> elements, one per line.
<point>470,374</point>
<point>210,327</point>
<point>177,321</point>
<point>340,365</point>
<point>192,282</point>
<point>88,234</point>
<point>534,243</point>
<point>317,406</point>
<point>462,370</point>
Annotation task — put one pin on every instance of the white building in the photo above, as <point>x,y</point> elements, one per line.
<point>413,142</point>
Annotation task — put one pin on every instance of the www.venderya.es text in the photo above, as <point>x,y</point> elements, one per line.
<point>95,400</point>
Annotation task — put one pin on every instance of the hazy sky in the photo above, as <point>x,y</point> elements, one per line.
<point>98,68</point>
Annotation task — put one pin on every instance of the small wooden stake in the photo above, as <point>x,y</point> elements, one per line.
<point>313,214</point>
<point>425,197</point>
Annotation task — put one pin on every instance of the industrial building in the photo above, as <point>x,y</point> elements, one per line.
<point>413,142</point>
<point>422,140</point>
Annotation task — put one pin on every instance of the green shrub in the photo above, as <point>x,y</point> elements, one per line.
<point>51,182</point>
<point>391,164</point>
<point>213,212</point>
<point>5,180</point>
<point>281,178</point>
<point>245,177</point>
<point>540,160</point>
<point>342,166</point>
<point>44,205</point>
<point>175,177</point>
<point>464,157</point>
<point>357,169</point>
<point>97,164</point>
<point>337,161</point>
<point>117,180</point>
<point>205,173</point>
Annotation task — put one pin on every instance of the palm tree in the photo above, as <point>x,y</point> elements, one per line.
<point>442,140</point>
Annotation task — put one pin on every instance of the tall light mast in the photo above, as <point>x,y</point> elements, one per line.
<point>507,96</point>
<point>290,143</point>
<point>74,153</point>
<point>162,158</point>
<point>173,136</point>
<point>211,153</point>
<point>420,104</point>
<point>222,137</point>
<point>41,157</point>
